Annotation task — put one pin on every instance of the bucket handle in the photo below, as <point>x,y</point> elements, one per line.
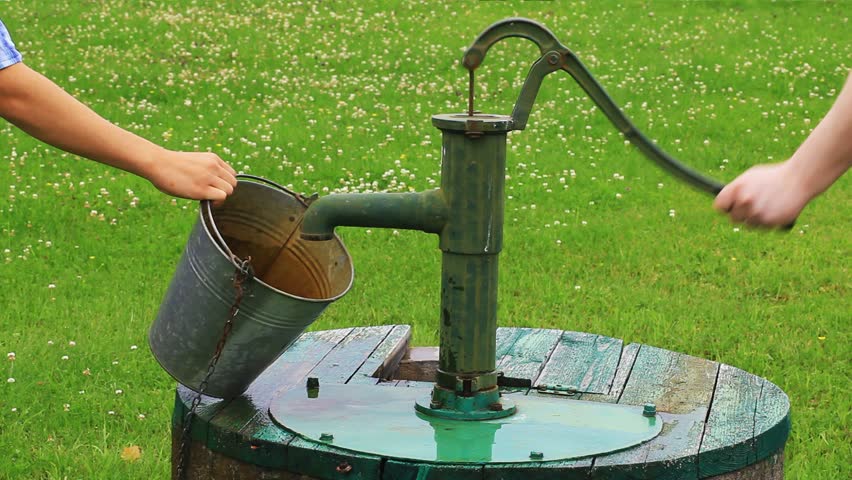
<point>207,207</point>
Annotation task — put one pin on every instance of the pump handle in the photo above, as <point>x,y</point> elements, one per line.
<point>556,56</point>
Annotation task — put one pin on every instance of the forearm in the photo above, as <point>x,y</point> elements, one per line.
<point>827,152</point>
<point>42,109</point>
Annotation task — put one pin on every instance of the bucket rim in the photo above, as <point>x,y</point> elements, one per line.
<point>222,247</point>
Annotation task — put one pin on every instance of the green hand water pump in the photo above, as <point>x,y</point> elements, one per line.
<point>466,212</point>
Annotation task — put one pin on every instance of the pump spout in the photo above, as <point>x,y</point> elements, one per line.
<point>425,211</point>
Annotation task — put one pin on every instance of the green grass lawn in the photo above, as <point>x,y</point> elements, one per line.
<point>337,96</point>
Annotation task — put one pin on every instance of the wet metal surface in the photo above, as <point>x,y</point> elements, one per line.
<point>382,421</point>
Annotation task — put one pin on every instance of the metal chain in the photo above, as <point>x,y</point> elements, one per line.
<point>242,276</point>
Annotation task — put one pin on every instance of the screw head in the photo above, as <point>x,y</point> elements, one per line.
<point>326,437</point>
<point>553,59</point>
<point>536,455</point>
<point>649,410</point>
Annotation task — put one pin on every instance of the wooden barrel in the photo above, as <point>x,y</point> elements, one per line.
<point>732,425</point>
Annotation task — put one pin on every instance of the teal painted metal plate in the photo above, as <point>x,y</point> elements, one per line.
<point>382,421</point>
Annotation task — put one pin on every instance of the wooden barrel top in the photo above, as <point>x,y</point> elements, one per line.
<point>728,419</point>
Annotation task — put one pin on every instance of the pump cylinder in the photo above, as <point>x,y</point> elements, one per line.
<point>473,169</point>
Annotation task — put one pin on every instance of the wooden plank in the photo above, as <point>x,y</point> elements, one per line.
<point>681,386</point>
<point>328,463</point>
<point>506,337</point>
<point>728,441</point>
<point>771,421</point>
<point>321,461</point>
<point>208,407</point>
<point>348,356</point>
<point>562,368</point>
<point>289,451</point>
<point>398,470</point>
<point>220,467</point>
<point>248,412</point>
<point>420,364</point>
<point>197,464</point>
<point>562,470</point>
<point>295,363</point>
<point>770,468</point>
<point>528,354</point>
<point>584,360</point>
<point>619,381</point>
<point>385,358</point>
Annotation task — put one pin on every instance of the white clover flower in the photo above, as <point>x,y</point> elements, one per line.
<point>10,380</point>
<point>64,357</point>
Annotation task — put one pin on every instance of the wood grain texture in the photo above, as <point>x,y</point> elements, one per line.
<point>707,408</point>
<point>682,387</point>
<point>420,365</point>
<point>728,442</point>
<point>583,360</point>
<point>300,456</point>
<point>221,467</point>
<point>770,468</point>
<point>527,354</point>
<point>579,469</point>
<point>771,421</point>
<point>385,358</point>
<point>237,429</point>
<point>622,372</point>
<point>396,470</point>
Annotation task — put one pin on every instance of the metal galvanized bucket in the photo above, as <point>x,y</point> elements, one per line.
<point>294,281</point>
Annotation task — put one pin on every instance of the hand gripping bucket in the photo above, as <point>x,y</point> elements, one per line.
<point>294,281</point>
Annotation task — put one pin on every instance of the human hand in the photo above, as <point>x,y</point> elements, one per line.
<point>192,175</point>
<point>769,195</point>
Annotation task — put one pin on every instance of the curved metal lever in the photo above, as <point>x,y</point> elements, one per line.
<point>556,56</point>
<point>510,27</point>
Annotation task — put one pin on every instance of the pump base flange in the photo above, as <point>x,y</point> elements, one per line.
<point>383,421</point>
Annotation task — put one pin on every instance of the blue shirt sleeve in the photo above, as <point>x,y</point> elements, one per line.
<point>9,55</point>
